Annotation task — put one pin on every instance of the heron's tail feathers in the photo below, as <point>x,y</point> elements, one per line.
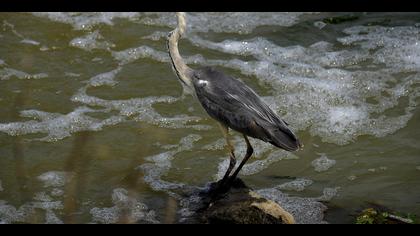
<point>281,136</point>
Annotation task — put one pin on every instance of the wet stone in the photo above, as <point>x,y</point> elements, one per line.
<point>238,205</point>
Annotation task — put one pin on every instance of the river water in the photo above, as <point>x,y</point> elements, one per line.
<point>95,127</point>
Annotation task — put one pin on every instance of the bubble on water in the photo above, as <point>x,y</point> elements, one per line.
<point>352,177</point>
<point>160,164</point>
<point>133,54</point>
<point>342,119</point>
<point>71,74</point>
<point>323,163</point>
<point>30,41</point>
<point>51,218</point>
<point>56,192</point>
<point>319,24</point>
<point>157,35</point>
<point>8,73</point>
<point>216,145</point>
<point>106,78</point>
<point>304,210</point>
<point>295,185</point>
<point>55,178</point>
<point>87,20</point>
<point>48,205</point>
<point>328,194</point>
<point>154,171</point>
<point>42,196</point>
<point>93,40</point>
<point>126,208</point>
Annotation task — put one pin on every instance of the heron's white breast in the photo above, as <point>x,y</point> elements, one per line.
<point>203,82</point>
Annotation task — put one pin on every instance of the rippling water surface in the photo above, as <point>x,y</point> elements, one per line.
<point>95,127</point>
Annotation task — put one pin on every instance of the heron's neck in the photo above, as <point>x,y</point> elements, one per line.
<point>181,69</point>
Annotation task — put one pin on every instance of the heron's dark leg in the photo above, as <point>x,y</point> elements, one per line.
<point>249,151</point>
<point>232,162</point>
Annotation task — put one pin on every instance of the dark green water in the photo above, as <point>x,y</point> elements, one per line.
<point>95,127</point>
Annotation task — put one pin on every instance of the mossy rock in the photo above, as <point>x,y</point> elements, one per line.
<point>240,205</point>
<point>379,216</point>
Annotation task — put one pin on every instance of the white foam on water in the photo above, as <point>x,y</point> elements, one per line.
<point>7,25</point>
<point>156,36</point>
<point>25,213</point>
<point>304,210</point>
<point>30,41</point>
<point>328,194</point>
<point>9,214</point>
<point>57,126</point>
<point>42,196</point>
<point>323,163</point>
<point>319,24</point>
<point>352,177</point>
<point>71,74</point>
<point>160,164</point>
<point>397,47</point>
<point>87,20</point>
<point>260,165</point>
<point>295,185</point>
<point>216,145</point>
<point>55,178</point>
<point>90,41</point>
<point>125,208</point>
<point>8,73</point>
<point>139,109</point>
<point>51,218</point>
<point>107,78</point>
<point>132,54</point>
<point>230,22</point>
<point>322,83</point>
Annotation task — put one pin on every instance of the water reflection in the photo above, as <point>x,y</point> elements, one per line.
<point>18,151</point>
<point>77,165</point>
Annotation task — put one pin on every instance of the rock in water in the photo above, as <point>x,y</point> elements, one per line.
<point>239,205</point>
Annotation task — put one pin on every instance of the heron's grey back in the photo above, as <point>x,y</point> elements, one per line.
<point>236,105</point>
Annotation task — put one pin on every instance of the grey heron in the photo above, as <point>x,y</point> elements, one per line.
<point>231,103</point>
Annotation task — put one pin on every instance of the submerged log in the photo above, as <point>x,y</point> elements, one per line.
<point>239,205</point>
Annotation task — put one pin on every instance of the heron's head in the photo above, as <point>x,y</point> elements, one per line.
<point>182,23</point>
